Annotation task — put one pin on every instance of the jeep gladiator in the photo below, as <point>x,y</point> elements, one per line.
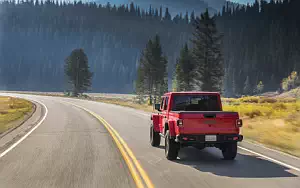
<point>195,119</point>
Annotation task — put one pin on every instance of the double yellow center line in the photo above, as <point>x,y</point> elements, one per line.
<point>135,168</point>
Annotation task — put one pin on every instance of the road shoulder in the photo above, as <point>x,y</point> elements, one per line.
<point>25,125</point>
<point>272,154</point>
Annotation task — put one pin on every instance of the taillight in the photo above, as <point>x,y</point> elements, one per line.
<point>239,123</point>
<point>180,123</point>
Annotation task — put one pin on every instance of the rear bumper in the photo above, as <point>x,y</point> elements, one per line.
<point>200,139</point>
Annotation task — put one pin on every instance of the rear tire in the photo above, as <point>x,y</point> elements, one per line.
<point>229,151</point>
<point>171,147</point>
<point>154,137</point>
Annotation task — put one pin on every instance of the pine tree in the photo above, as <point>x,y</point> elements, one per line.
<point>185,72</point>
<point>186,18</point>
<point>160,73</point>
<point>77,71</point>
<point>165,83</point>
<point>160,13</point>
<point>140,83</point>
<point>167,15</point>
<point>247,87</point>
<point>234,93</point>
<point>152,77</point>
<point>207,53</point>
<point>192,20</point>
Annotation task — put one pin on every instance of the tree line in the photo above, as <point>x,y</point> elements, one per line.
<point>200,68</point>
<point>260,44</point>
<point>36,37</point>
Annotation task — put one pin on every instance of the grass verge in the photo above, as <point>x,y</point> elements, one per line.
<point>11,110</point>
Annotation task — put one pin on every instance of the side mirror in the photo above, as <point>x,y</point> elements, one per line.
<point>157,107</point>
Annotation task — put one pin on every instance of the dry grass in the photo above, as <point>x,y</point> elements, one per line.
<point>12,109</point>
<point>273,122</point>
<point>276,133</point>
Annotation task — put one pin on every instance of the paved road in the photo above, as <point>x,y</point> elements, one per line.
<point>72,149</point>
<point>69,149</point>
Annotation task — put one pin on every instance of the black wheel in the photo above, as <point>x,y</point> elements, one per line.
<point>229,151</point>
<point>154,137</point>
<point>171,147</point>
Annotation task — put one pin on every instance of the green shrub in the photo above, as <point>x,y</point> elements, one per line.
<point>67,94</point>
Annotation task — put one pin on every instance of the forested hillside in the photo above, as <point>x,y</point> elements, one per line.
<point>175,6</point>
<point>36,38</point>
<point>261,43</point>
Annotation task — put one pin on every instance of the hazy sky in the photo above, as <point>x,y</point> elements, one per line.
<point>146,1</point>
<point>244,1</point>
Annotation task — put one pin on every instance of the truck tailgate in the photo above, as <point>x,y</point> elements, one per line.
<point>209,122</point>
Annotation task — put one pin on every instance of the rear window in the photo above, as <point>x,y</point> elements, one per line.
<point>195,103</point>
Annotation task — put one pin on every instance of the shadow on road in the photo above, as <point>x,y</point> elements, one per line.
<point>244,166</point>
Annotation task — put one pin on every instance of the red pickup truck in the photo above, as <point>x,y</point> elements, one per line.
<point>195,119</point>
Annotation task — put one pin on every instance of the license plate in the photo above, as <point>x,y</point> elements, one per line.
<point>210,138</point>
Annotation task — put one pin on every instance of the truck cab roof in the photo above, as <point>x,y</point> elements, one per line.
<point>191,93</point>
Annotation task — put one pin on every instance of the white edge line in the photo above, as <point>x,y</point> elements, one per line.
<point>271,159</point>
<point>27,134</point>
<point>274,150</point>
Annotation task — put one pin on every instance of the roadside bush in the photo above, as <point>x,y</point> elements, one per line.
<point>253,113</point>
<point>267,100</point>
<point>139,99</point>
<point>3,112</point>
<point>269,113</point>
<point>287,100</point>
<point>249,99</point>
<point>279,106</point>
<point>67,94</point>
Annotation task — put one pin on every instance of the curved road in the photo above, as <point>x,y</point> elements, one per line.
<point>72,148</point>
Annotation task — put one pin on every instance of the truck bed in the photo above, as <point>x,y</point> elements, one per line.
<point>207,122</point>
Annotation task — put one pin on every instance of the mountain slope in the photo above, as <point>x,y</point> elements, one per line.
<point>175,6</point>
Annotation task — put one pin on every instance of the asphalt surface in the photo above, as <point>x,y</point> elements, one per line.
<point>72,149</point>
<point>69,149</point>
